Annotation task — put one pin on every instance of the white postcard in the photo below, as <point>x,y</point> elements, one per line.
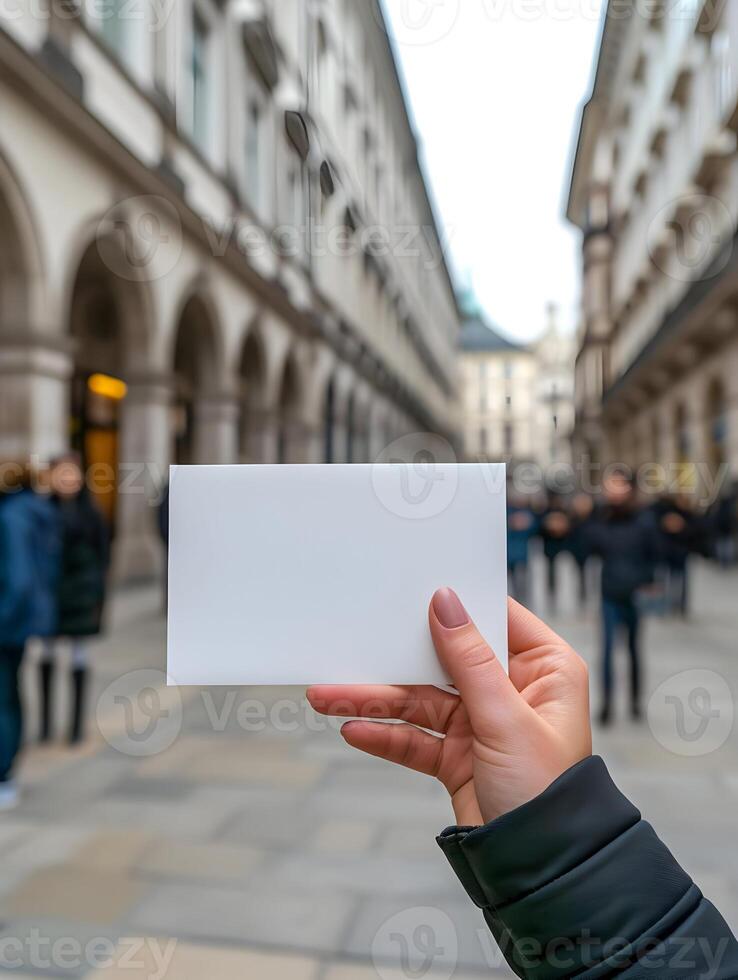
<point>322,574</point>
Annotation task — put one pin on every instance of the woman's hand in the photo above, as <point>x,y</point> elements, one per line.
<point>502,740</point>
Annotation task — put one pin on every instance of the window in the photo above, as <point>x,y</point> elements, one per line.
<point>253,153</point>
<point>294,210</point>
<point>508,369</point>
<point>200,82</point>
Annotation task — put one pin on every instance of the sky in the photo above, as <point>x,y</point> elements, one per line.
<point>496,87</point>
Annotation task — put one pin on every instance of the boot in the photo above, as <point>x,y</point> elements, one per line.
<point>46,686</point>
<point>79,684</point>
<point>604,719</point>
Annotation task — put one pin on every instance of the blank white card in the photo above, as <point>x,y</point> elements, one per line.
<point>323,574</point>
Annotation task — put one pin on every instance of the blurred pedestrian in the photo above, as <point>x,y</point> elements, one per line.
<point>522,525</point>
<point>554,530</point>
<point>723,517</point>
<point>678,528</point>
<point>81,591</point>
<point>29,572</point>
<point>625,538</point>
<point>581,514</point>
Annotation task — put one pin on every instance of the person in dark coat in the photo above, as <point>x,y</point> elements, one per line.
<point>81,592</point>
<point>722,519</point>
<point>522,525</point>
<point>570,879</point>
<point>30,546</point>
<point>581,515</point>
<point>555,527</point>
<point>625,538</point>
<point>679,529</point>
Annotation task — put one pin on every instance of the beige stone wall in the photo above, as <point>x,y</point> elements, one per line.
<point>655,192</point>
<point>158,224</point>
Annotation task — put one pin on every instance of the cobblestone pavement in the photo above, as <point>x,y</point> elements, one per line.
<point>239,825</point>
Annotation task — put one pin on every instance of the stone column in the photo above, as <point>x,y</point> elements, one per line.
<point>34,396</point>
<point>303,442</point>
<point>216,429</point>
<point>261,438</point>
<point>144,455</point>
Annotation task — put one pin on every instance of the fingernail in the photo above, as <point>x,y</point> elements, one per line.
<point>449,610</point>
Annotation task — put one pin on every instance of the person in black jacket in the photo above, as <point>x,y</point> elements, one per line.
<point>581,516</point>
<point>679,531</point>
<point>30,559</point>
<point>571,880</point>
<point>81,592</point>
<point>555,528</point>
<point>626,539</point>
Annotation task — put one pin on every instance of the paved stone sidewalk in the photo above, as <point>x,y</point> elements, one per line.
<point>240,825</point>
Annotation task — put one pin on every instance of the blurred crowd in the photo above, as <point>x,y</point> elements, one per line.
<point>54,556</point>
<point>53,572</point>
<point>633,554</point>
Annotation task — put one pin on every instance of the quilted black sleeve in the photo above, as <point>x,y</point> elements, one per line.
<point>576,884</point>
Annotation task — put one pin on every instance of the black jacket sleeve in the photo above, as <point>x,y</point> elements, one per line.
<point>576,884</point>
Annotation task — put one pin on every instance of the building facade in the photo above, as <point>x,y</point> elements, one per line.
<point>216,244</point>
<point>655,192</point>
<point>554,353</point>
<point>517,399</point>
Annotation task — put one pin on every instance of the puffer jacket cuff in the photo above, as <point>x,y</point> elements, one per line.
<point>578,853</point>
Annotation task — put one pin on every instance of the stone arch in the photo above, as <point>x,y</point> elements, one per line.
<point>21,265</point>
<point>197,369</point>
<point>253,375</point>
<point>330,416</point>
<point>716,423</point>
<point>109,322</point>
<point>293,434</point>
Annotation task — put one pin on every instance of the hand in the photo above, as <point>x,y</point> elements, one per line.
<point>502,740</point>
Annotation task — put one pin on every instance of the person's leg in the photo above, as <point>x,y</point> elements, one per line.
<point>523,582</point>
<point>46,689</point>
<point>582,568</point>
<point>11,717</point>
<point>684,590</point>
<point>551,583</point>
<point>519,580</point>
<point>609,629</point>
<point>78,677</point>
<point>632,622</point>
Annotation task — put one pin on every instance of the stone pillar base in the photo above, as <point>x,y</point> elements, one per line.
<point>34,397</point>
<point>216,430</point>
<point>143,472</point>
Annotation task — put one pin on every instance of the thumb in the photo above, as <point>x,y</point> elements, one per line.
<point>477,674</point>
